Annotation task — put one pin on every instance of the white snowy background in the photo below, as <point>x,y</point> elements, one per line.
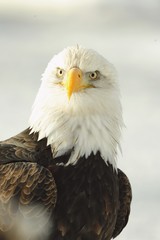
<point>127,33</point>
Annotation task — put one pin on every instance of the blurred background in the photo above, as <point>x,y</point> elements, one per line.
<point>127,33</point>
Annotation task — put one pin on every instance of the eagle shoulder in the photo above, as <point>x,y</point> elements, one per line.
<point>25,147</point>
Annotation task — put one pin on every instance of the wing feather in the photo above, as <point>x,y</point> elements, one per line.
<point>125,197</point>
<point>24,147</point>
<point>25,187</point>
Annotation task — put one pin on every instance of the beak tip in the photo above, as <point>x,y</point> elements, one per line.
<point>69,95</point>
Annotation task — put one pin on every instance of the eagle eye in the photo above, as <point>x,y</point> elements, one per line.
<point>94,75</point>
<point>60,72</point>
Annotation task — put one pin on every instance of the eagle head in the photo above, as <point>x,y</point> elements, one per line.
<point>78,106</point>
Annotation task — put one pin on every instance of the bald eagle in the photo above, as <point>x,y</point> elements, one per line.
<point>64,164</point>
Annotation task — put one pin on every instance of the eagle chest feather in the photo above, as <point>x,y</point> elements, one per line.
<point>88,199</point>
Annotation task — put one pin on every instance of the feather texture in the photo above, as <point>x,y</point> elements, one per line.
<point>88,200</point>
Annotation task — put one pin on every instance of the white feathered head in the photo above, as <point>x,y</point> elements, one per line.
<point>78,105</point>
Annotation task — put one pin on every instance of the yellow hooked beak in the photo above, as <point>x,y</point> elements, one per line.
<point>74,81</point>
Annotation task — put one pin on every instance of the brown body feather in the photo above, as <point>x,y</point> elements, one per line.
<point>86,201</point>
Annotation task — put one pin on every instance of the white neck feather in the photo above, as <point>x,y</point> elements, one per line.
<point>88,122</point>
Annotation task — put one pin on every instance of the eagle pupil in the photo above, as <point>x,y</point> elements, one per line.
<point>93,75</point>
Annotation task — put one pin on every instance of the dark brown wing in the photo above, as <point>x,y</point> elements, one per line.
<point>27,195</point>
<point>125,197</point>
<point>25,147</point>
<point>24,139</point>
